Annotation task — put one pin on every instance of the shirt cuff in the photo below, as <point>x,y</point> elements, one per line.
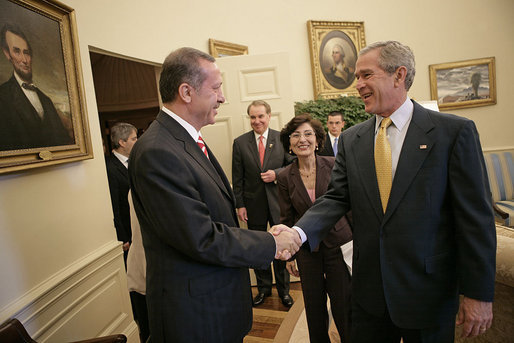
<point>302,234</point>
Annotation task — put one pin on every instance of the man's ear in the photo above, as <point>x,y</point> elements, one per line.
<point>400,74</point>
<point>184,92</point>
<point>7,55</point>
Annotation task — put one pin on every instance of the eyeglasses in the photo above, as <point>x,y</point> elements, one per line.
<point>298,135</point>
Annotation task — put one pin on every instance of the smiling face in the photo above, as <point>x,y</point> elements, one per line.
<point>303,141</point>
<point>259,119</point>
<point>19,55</point>
<point>379,90</point>
<point>206,100</point>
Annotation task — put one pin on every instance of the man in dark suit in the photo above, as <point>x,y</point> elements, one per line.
<point>123,138</point>
<point>335,125</point>
<point>257,158</point>
<point>423,234</point>
<point>28,118</point>
<point>198,285</point>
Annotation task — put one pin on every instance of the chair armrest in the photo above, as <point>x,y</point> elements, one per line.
<point>106,339</point>
<point>500,212</point>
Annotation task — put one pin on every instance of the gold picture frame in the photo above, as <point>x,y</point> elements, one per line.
<point>219,48</point>
<point>58,132</point>
<point>463,84</point>
<point>334,47</point>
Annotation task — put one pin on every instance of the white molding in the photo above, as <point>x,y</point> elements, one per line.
<point>88,298</point>
<point>506,148</point>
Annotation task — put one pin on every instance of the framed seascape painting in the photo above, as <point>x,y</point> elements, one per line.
<point>42,107</point>
<point>334,47</point>
<point>219,48</point>
<point>463,84</point>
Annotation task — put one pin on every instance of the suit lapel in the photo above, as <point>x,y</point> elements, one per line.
<point>322,177</point>
<point>363,152</point>
<point>252,148</point>
<point>25,108</point>
<point>303,199</point>
<point>194,151</point>
<point>415,149</point>
<point>120,167</point>
<point>223,177</point>
<point>329,147</point>
<point>270,145</point>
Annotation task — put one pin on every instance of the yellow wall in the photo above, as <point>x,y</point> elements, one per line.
<point>51,217</point>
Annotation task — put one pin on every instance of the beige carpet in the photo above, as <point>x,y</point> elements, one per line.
<point>294,326</point>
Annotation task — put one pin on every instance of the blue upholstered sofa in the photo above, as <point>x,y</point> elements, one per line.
<point>500,169</point>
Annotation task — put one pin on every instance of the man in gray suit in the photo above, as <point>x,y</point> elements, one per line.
<point>198,285</point>
<point>257,158</point>
<point>423,226</point>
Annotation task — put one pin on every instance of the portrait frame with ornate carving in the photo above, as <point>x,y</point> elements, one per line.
<point>218,48</point>
<point>334,47</point>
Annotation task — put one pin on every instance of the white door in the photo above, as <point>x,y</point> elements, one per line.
<point>245,79</point>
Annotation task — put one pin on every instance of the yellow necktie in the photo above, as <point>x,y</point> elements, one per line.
<point>383,163</point>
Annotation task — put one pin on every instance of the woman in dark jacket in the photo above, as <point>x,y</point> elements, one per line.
<point>322,271</point>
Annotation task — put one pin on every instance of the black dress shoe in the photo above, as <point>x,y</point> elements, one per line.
<point>287,300</point>
<point>259,299</point>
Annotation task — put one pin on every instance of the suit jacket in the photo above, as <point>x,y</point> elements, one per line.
<point>21,127</point>
<point>117,175</point>
<point>251,192</point>
<point>295,201</point>
<point>198,285</point>
<point>327,148</point>
<point>437,237</point>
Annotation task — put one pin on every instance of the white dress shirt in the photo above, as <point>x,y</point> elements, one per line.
<point>395,134</point>
<point>32,96</point>
<point>264,138</point>
<point>123,159</point>
<point>189,128</point>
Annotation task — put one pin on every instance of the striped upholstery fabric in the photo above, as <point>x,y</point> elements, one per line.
<point>500,169</point>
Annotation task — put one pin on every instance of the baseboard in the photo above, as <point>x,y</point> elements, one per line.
<point>87,299</point>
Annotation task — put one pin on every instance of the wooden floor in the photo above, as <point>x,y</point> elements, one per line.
<point>268,316</point>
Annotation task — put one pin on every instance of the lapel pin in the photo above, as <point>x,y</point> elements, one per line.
<point>423,146</point>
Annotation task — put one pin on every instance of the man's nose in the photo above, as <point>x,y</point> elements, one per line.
<point>221,97</point>
<point>359,84</point>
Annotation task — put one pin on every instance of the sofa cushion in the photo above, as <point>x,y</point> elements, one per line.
<point>508,207</point>
<point>505,256</point>
<point>500,169</point>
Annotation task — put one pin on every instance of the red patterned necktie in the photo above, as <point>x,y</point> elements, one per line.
<point>201,145</point>
<point>261,150</point>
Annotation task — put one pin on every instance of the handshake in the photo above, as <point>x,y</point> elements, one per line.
<point>287,240</point>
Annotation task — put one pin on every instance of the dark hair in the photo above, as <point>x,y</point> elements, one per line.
<point>336,113</point>
<point>121,131</point>
<point>182,66</point>
<point>294,123</point>
<point>13,28</point>
<point>259,103</point>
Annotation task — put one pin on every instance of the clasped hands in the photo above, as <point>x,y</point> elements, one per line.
<point>287,240</point>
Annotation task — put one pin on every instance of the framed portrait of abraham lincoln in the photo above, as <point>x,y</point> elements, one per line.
<point>334,47</point>
<point>43,118</point>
